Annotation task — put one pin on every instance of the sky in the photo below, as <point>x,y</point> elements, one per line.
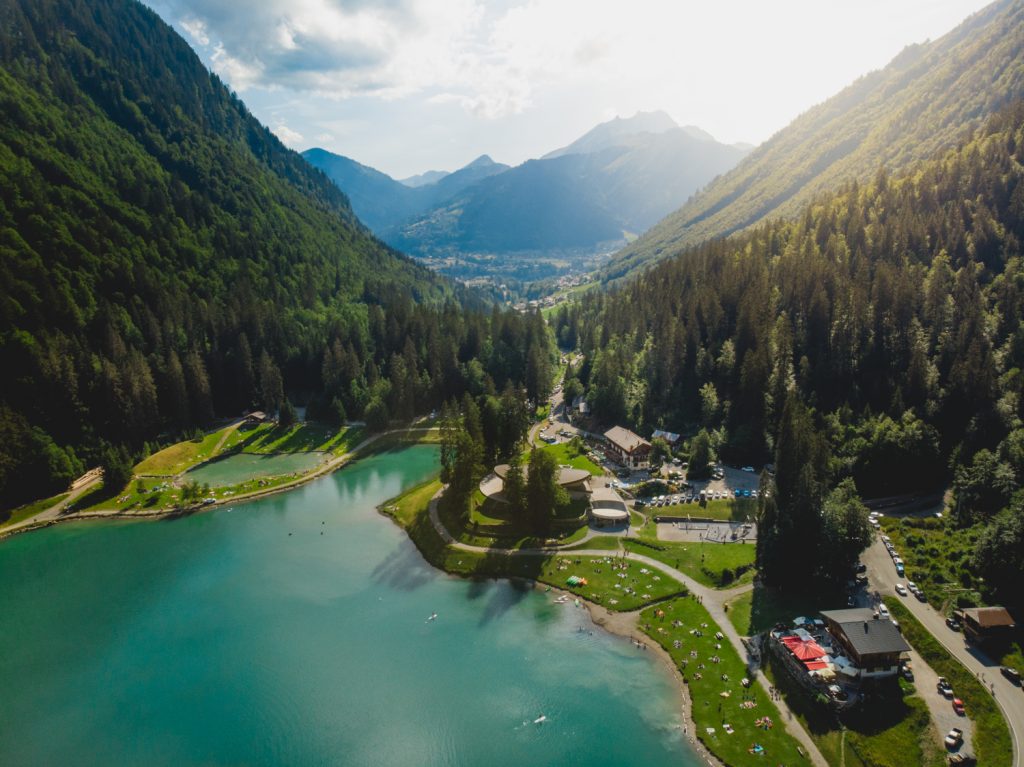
<point>413,85</point>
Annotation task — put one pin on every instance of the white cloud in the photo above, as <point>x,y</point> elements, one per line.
<point>288,136</point>
<point>196,29</point>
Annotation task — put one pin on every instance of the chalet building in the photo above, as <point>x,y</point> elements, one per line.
<point>984,624</point>
<point>628,449</point>
<point>256,417</point>
<point>874,644</point>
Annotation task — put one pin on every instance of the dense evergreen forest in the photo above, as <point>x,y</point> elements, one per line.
<point>925,101</point>
<point>165,260</point>
<point>893,310</point>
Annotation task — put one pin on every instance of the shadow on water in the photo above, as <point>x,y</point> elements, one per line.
<point>403,569</point>
<point>504,599</point>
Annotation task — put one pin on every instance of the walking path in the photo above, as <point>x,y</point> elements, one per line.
<point>712,600</point>
<point>882,577</point>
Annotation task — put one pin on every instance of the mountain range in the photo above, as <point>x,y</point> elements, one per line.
<point>927,99</point>
<point>616,180</point>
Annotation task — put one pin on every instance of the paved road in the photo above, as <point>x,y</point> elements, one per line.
<point>56,510</point>
<point>882,578</point>
<point>712,599</point>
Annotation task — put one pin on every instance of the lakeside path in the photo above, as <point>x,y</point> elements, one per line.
<point>54,516</point>
<point>712,600</point>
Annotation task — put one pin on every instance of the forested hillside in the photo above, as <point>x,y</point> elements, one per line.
<point>926,100</point>
<point>380,201</point>
<point>164,259</point>
<point>892,310</point>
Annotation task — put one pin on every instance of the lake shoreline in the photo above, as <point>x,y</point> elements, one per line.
<point>325,468</point>
<point>622,625</point>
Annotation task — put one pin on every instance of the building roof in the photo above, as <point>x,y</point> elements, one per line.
<point>867,634</point>
<point>848,616</point>
<point>565,476</point>
<point>605,503</point>
<point>669,436</point>
<point>624,439</point>
<point>990,617</point>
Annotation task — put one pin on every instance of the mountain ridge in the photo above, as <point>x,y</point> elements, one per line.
<point>927,98</point>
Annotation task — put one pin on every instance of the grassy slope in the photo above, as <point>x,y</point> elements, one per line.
<point>710,709</point>
<point>181,456</point>
<point>991,738</point>
<point>565,455</point>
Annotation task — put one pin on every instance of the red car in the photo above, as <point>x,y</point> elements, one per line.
<point>958,706</point>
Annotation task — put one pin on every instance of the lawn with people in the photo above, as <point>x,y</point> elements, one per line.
<point>734,717</point>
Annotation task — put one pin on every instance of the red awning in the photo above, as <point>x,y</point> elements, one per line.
<point>802,649</point>
<point>815,665</point>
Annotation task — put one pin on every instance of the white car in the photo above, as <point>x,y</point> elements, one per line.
<point>883,610</point>
<point>901,590</point>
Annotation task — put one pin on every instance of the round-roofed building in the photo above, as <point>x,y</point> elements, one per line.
<point>576,482</point>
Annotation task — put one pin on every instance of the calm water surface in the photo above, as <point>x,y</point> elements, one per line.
<point>248,638</point>
<point>239,467</point>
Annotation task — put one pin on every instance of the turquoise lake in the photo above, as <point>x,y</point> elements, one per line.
<point>293,631</point>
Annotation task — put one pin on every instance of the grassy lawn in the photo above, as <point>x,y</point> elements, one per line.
<point>301,438</point>
<point>604,586</point>
<point>30,510</point>
<point>398,440</point>
<point>991,737</point>
<point>707,685</point>
<point>566,455</point>
<point>712,564</point>
<point>760,609</point>
<point>184,455</point>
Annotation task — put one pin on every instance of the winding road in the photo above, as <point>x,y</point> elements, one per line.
<point>883,579</point>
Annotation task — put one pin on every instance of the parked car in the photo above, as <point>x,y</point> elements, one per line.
<point>907,672</point>
<point>901,590</point>
<point>958,706</point>
<point>959,758</point>
<point>748,468</point>
<point>953,623</point>
<point>1011,673</point>
<point>900,571</point>
<point>860,568</point>
<point>883,611</point>
<point>920,596</point>
<point>954,738</point>
<point>943,687</point>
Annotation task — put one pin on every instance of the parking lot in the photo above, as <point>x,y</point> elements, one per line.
<point>684,531</point>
